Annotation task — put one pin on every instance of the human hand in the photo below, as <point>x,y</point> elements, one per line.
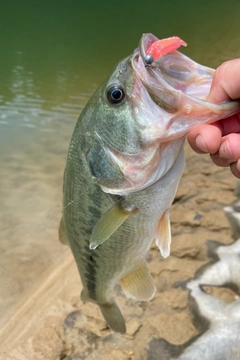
<point>221,139</point>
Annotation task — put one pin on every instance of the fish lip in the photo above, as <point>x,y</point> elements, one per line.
<point>145,41</point>
<point>148,74</point>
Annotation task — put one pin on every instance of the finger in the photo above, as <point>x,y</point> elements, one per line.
<point>230,147</point>
<point>205,138</point>
<point>229,151</point>
<point>224,84</point>
<point>220,161</point>
<point>235,169</point>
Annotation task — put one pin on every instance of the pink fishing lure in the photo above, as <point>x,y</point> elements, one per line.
<point>165,46</point>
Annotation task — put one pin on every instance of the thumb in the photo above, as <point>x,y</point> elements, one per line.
<point>226,82</point>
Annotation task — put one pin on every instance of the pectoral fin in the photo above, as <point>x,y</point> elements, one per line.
<point>62,234</point>
<point>139,284</point>
<point>108,224</point>
<point>163,235</point>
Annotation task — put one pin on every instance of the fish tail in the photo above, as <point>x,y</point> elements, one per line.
<point>110,311</point>
<point>113,316</point>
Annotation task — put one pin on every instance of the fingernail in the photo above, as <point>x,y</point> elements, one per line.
<point>225,152</point>
<point>201,143</point>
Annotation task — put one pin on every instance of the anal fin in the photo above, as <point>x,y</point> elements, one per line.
<point>139,284</point>
<point>62,233</point>
<point>163,234</point>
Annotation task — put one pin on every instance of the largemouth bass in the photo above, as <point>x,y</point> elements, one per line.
<point>124,164</point>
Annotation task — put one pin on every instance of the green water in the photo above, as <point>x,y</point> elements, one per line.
<point>53,56</point>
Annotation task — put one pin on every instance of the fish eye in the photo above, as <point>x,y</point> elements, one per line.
<point>115,94</point>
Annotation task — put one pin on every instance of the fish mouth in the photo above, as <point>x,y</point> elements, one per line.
<point>171,73</point>
<point>179,87</point>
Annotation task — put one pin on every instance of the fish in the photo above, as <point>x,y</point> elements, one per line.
<point>123,167</point>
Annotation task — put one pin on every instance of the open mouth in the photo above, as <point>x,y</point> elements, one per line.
<point>172,70</point>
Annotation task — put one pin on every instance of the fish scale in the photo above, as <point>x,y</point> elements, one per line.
<point>124,164</point>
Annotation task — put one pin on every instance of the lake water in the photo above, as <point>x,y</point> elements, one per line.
<point>53,56</point>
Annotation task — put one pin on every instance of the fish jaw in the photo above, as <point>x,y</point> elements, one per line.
<point>179,86</point>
